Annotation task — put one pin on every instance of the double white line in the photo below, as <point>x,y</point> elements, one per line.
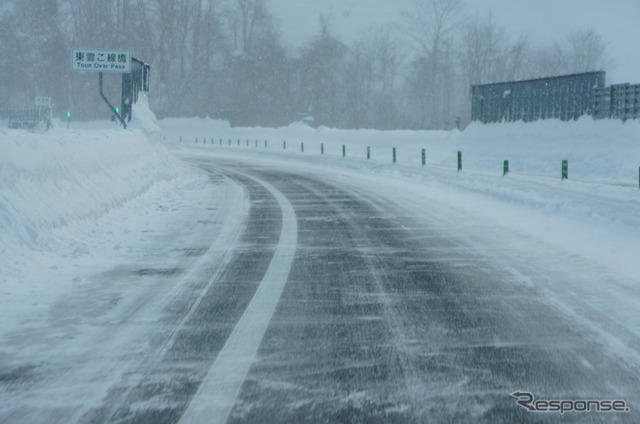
<point>218,392</point>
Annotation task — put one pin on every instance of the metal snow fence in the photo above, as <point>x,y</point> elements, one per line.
<point>562,97</point>
<point>619,101</point>
<point>27,118</point>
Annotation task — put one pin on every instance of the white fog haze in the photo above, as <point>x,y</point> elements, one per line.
<point>544,21</point>
<point>351,64</point>
<point>296,211</point>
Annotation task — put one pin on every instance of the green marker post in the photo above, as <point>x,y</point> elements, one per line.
<point>368,152</point>
<point>424,157</point>
<point>565,169</point>
<point>459,161</point>
<point>505,168</point>
<point>394,155</point>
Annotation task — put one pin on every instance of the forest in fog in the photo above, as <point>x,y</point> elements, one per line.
<point>226,59</point>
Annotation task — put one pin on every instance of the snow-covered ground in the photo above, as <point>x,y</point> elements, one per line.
<point>75,202</point>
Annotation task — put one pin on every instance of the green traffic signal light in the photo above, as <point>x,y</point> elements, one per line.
<point>69,114</point>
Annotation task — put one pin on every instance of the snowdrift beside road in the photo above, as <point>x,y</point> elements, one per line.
<point>606,150</point>
<point>65,176</point>
<point>596,150</point>
<point>52,183</point>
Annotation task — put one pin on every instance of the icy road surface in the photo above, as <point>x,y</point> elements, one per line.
<point>321,299</point>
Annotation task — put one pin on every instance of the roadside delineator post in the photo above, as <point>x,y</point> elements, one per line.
<point>368,152</point>
<point>284,145</point>
<point>394,155</point>
<point>565,169</point>
<point>322,148</point>
<point>424,157</point>
<point>196,140</point>
<point>505,168</point>
<point>265,144</point>
<point>301,147</point>
<point>238,142</point>
<point>180,139</point>
<point>459,161</point>
<point>344,150</point>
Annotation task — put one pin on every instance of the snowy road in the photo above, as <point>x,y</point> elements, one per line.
<point>322,300</point>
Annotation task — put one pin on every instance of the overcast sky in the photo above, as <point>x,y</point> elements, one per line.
<point>617,21</point>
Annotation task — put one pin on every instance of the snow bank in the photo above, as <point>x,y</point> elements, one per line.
<point>143,118</point>
<point>51,183</point>
<point>596,150</point>
<point>605,150</point>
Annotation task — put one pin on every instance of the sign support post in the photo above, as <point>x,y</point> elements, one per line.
<point>124,124</point>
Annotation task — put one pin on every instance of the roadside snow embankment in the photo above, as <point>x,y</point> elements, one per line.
<point>599,201</point>
<point>53,182</point>
<point>604,150</point>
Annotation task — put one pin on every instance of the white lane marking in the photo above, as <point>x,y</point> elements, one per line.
<point>217,394</point>
<point>219,252</point>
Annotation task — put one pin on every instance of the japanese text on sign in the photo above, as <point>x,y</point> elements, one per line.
<point>101,60</point>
